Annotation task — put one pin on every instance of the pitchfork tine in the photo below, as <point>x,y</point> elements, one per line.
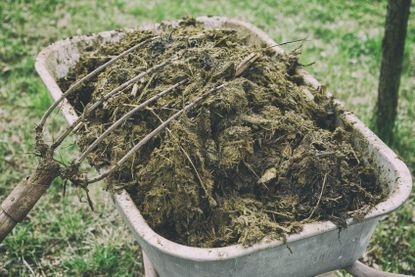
<point>124,118</point>
<point>153,133</point>
<point>107,96</point>
<point>87,77</point>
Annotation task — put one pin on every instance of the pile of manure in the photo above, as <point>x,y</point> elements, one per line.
<point>257,159</point>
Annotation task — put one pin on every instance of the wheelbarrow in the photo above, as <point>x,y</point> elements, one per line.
<point>321,247</point>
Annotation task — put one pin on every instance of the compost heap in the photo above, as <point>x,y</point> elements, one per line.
<point>258,158</point>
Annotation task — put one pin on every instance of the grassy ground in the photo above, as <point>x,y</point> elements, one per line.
<point>62,236</point>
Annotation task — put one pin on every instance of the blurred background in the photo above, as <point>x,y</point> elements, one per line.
<point>62,236</point>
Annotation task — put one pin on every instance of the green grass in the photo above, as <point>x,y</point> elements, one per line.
<point>62,236</point>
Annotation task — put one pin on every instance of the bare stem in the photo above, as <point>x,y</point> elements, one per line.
<point>319,198</point>
<point>288,42</point>
<point>211,200</point>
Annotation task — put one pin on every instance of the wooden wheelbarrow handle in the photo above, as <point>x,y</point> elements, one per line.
<point>359,269</point>
<point>25,195</point>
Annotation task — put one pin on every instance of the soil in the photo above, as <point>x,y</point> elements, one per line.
<point>257,159</point>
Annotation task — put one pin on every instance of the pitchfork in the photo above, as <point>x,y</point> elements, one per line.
<point>25,195</point>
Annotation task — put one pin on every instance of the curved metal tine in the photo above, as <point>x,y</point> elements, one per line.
<point>104,98</point>
<point>124,118</point>
<point>87,77</point>
<point>153,133</point>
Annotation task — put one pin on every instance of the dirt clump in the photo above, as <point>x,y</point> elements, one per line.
<point>259,158</point>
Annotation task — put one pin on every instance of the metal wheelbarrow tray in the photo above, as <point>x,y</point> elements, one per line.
<point>319,248</point>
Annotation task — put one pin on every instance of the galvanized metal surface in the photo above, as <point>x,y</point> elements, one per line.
<point>319,248</point>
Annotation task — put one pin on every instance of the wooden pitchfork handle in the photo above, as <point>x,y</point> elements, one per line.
<point>25,195</point>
